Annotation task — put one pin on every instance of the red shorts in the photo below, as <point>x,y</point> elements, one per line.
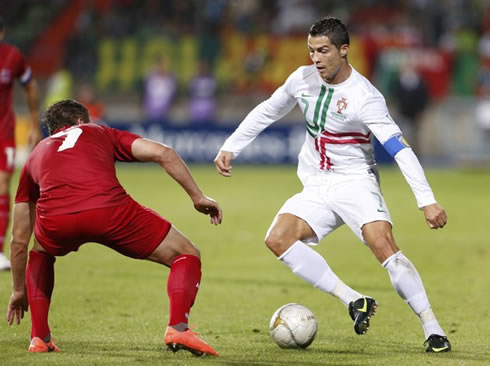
<point>130,229</point>
<point>7,156</point>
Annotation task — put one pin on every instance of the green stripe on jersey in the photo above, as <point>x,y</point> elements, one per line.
<point>325,108</point>
<point>322,104</point>
<point>318,105</point>
<point>309,127</point>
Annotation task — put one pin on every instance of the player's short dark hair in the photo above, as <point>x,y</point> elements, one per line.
<point>333,28</point>
<point>2,24</point>
<point>65,113</point>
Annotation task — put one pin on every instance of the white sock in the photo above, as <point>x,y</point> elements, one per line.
<point>309,265</point>
<point>408,284</point>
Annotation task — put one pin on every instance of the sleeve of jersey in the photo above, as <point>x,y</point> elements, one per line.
<point>23,72</point>
<point>374,113</point>
<point>414,175</point>
<point>27,190</point>
<point>263,115</point>
<point>122,144</point>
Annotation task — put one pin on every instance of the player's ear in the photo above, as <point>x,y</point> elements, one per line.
<point>344,49</point>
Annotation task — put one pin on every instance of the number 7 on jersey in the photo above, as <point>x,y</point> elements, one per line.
<point>71,137</point>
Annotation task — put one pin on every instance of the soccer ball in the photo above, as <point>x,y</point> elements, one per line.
<point>293,326</point>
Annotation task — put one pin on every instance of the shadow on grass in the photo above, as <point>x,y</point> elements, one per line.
<point>350,353</point>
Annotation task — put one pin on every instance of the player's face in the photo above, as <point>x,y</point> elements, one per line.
<point>330,61</point>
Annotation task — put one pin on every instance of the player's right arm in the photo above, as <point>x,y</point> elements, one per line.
<point>262,116</point>
<point>23,223</point>
<point>22,227</point>
<point>152,151</point>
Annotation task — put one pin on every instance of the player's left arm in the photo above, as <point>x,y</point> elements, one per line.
<point>23,223</point>
<point>32,97</point>
<point>374,113</point>
<point>435,215</point>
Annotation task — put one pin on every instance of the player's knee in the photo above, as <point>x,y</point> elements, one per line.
<point>187,247</point>
<point>276,243</point>
<point>383,244</point>
<point>193,250</point>
<point>272,240</point>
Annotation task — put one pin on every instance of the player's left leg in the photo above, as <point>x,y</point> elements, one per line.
<point>183,258</point>
<point>285,239</point>
<point>4,216</point>
<point>307,218</point>
<point>40,283</point>
<point>406,281</point>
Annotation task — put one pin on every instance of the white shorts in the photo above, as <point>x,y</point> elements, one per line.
<point>332,199</point>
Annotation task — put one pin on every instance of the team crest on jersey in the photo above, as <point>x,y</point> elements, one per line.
<point>341,105</point>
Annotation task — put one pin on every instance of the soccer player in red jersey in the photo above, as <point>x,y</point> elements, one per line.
<point>68,194</point>
<point>12,66</point>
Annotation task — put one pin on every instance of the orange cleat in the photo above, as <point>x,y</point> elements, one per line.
<point>188,341</point>
<point>38,345</point>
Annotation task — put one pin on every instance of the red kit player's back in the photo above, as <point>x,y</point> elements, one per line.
<point>12,66</point>
<point>73,170</point>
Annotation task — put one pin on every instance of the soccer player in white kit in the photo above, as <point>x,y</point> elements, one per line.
<point>342,111</point>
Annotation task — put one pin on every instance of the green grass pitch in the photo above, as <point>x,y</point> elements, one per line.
<point>107,309</point>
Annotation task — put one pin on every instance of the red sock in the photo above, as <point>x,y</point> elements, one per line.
<point>182,287</point>
<point>40,283</point>
<point>4,218</point>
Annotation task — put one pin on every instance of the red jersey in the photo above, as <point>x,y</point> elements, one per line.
<point>12,66</point>
<point>74,170</point>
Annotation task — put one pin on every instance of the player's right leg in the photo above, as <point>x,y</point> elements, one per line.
<point>286,239</point>
<point>183,258</point>
<point>40,283</point>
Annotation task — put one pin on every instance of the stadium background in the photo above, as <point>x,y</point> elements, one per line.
<point>108,309</point>
<point>251,47</point>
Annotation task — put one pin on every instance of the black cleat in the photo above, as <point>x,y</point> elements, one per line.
<point>437,343</point>
<point>361,311</point>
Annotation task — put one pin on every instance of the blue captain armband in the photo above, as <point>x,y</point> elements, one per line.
<point>394,144</point>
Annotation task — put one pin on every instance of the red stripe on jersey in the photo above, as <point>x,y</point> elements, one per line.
<point>329,163</point>
<point>344,134</point>
<point>320,146</point>
<point>322,157</point>
<point>324,154</point>
<point>347,141</point>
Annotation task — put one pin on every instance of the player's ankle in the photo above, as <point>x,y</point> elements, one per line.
<point>180,327</point>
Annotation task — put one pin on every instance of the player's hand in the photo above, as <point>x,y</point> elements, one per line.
<point>223,163</point>
<point>18,304</point>
<point>35,136</point>
<point>435,216</point>
<point>210,207</point>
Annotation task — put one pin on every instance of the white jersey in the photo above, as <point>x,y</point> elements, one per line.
<point>340,121</point>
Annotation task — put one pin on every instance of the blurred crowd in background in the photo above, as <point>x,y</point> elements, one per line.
<point>210,61</point>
